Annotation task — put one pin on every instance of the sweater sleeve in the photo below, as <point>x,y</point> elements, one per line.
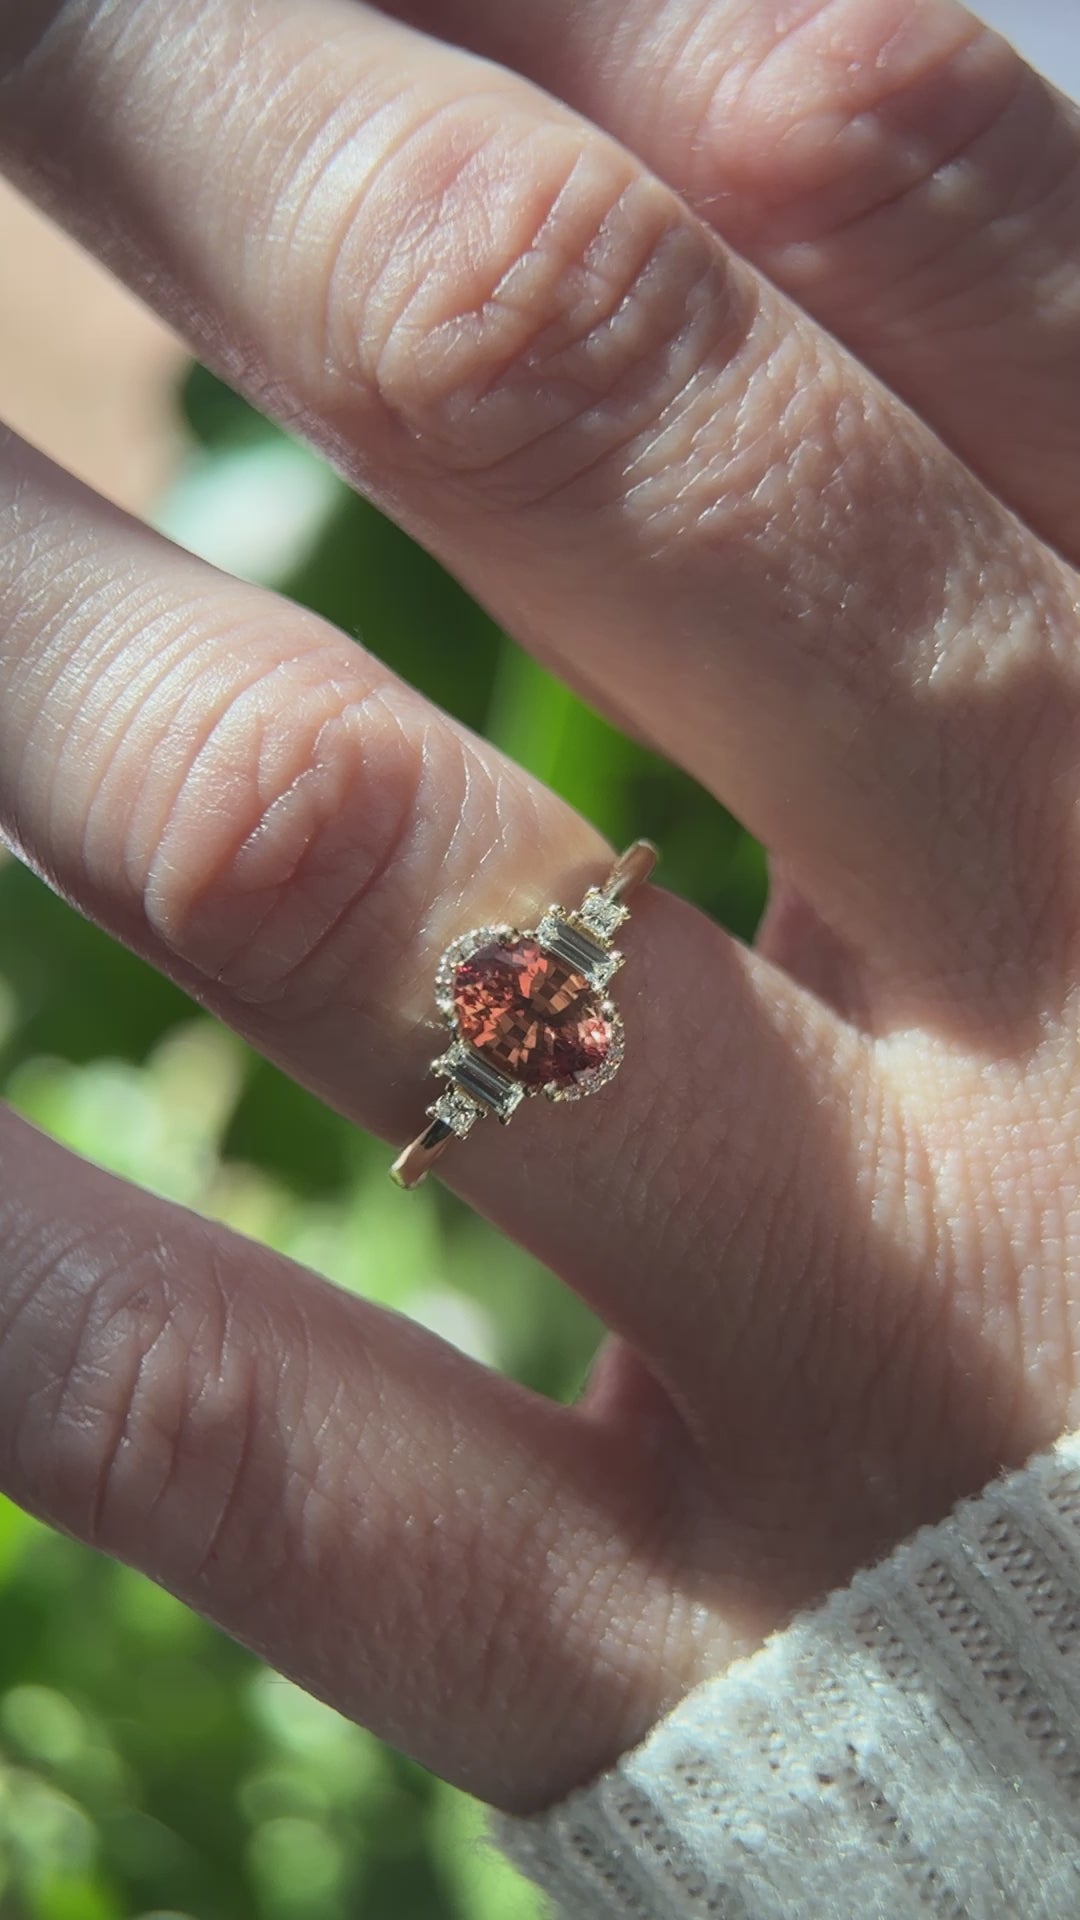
<point>911,1748</point>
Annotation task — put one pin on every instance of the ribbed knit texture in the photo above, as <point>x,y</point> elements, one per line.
<point>909,1749</point>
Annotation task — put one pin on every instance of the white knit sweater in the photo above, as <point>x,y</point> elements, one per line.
<point>909,1749</point>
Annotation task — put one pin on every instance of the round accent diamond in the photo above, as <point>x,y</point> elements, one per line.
<point>531,1014</point>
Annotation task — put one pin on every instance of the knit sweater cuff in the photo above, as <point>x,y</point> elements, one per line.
<point>909,1748</point>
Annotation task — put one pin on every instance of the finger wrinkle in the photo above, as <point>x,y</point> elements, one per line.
<point>926,161</point>
<point>85,1301</point>
<point>104,1350</point>
<point>596,464</point>
<point>845,109</point>
<point>540,308</point>
<point>241,1380</point>
<point>293,799</point>
<point>339,151</point>
<point>987,241</point>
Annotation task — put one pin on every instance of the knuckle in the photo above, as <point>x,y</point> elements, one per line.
<point>94,1344</point>
<point>249,788</point>
<point>518,300</point>
<point>295,800</point>
<point>818,123</point>
<point>140,1405</point>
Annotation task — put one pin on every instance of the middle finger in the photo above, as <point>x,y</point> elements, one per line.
<point>705,511</point>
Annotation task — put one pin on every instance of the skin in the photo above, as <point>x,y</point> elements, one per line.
<point>762,427</point>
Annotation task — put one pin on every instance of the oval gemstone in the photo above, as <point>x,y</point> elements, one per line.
<point>531,1014</point>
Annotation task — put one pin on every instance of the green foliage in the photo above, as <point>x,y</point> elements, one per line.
<point>147,1765</point>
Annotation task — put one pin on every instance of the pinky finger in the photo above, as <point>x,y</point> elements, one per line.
<point>427,1546</point>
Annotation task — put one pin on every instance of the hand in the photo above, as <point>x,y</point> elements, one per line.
<point>829,1208</point>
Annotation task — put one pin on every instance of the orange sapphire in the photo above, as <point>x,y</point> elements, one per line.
<point>530,1014</point>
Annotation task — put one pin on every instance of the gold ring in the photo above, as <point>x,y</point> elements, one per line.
<point>529,1013</point>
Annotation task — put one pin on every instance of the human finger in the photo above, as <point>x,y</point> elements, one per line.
<point>899,170</point>
<point>371,1512</point>
<point>707,513</point>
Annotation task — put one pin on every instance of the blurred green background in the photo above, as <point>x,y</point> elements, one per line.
<point>147,1765</point>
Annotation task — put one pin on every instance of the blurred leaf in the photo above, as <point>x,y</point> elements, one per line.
<point>296,1866</point>
<point>41,1724</point>
<point>216,416</point>
<point>16,1529</point>
<point>255,510</point>
<point>70,989</point>
<point>372,581</point>
<point>292,1135</point>
<point>484,1886</point>
<point>59,1896</point>
<point>158,1124</point>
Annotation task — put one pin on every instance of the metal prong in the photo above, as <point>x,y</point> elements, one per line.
<point>631,870</point>
<point>413,1165</point>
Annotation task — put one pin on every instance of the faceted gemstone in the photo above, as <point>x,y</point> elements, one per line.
<point>529,1013</point>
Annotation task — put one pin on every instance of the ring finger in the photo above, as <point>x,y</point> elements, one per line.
<point>255,804</point>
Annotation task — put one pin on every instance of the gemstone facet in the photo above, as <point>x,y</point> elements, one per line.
<point>531,1014</point>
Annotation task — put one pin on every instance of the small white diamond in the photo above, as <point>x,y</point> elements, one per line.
<point>602,913</point>
<point>457,1110</point>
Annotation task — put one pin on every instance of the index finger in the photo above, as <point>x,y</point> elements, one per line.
<point>651,467</point>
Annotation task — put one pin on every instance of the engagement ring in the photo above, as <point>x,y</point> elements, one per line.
<point>529,1013</point>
